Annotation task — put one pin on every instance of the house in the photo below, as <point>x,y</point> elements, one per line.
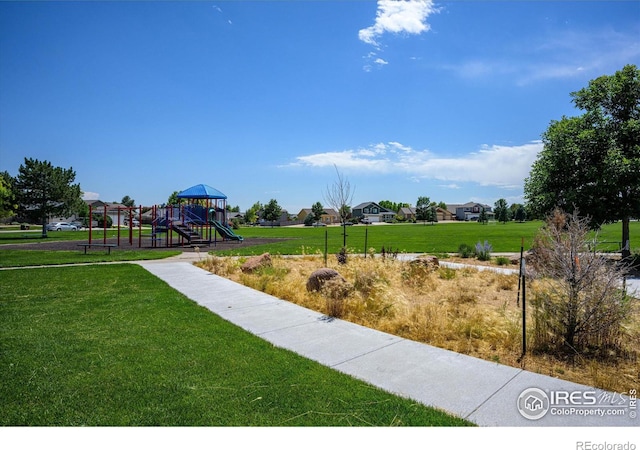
<point>372,212</point>
<point>329,216</point>
<point>409,213</point>
<point>469,211</point>
<point>231,215</point>
<point>114,210</point>
<point>282,221</point>
<point>444,214</point>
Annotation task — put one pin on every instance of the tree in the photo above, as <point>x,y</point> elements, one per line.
<point>42,190</point>
<point>393,206</point>
<point>272,211</point>
<point>592,162</point>
<point>432,213</point>
<point>317,210</point>
<point>483,218</point>
<point>339,196</point>
<point>8,205</point>
<point>128,201</point>
<point>173,198</point>
<point>251,214</point>
<point>501,210</point>
<point>579,303</point>
<point>520,214</point>
<point>423,209</point>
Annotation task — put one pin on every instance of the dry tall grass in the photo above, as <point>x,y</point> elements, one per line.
<point>467,311</point>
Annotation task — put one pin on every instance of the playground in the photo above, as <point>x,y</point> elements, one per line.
<point>199,220</point>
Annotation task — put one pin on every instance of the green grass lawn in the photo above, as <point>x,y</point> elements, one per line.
<point>24,258</point>
<point>409,238</point>
<point>113,345</point>
<point>25,237</point>
<point>406,238</point>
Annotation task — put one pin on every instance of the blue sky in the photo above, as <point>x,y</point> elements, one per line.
<point>264,99</point>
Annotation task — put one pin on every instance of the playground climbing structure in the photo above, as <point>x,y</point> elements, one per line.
<point>197,222</point>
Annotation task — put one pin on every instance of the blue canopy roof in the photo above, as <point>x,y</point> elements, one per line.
<point>202,191</point>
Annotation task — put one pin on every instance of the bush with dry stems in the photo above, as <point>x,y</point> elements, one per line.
<point>579,303</point>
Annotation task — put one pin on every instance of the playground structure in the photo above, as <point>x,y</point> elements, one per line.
<point>196,222</point>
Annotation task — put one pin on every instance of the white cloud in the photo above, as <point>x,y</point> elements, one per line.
<point>584,54</point>
<point>90,196</point>
<point>398,16</point>
<point>563,55</point>
<point>381,62</point>
<point>495,165</point>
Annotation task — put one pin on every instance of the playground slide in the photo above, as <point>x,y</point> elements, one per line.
<point>225,231</point>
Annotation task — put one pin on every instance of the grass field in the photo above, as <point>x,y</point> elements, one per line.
<point>10,236</point>
<point>411,238</point>
<point>23,258</point>
<point>113,345</point>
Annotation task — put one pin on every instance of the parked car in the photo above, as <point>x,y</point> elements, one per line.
<point>135,222</point>
<point>61,226</point>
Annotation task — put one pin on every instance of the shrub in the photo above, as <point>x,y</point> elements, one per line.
<point>309,220</point>
<point>466,251</point>
<point>389,253</point>
<point>335,291</point>
<point>634,263</point>
<point>100,219</point>
<point>580,306</point>
<point>483,251</point>
<point>503,261</point>
<point>342,256</point>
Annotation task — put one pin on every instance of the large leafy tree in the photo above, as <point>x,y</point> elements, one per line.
<point>393,206</point>
<point>42,190</point>
<point>317,210</point>
<point>423,209</point>
<point>173,198</point>
<point>591,163</point>
<point>7,200</point>
<point>272,211</point>
<point>128,201</point>
<point>251,214</point>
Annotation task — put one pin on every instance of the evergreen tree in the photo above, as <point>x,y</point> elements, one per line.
<point>42,190</point>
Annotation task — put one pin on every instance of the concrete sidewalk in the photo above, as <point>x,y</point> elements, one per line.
<point>483,392</point>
